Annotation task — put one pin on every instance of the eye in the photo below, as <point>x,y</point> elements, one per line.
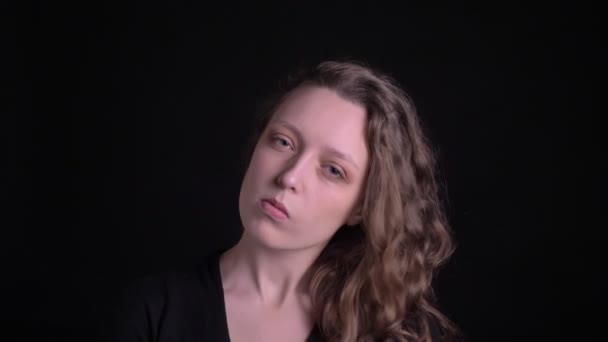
<point>335,172</point>
<point>281,142</point>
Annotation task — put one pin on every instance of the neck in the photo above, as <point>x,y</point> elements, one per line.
<point>274,276</point>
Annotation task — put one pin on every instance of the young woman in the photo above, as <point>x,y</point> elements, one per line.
<point>342,228</point>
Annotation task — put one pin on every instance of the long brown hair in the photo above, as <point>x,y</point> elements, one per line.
<point>373,281</point>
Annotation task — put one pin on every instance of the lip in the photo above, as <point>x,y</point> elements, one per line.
<point>274,208</point>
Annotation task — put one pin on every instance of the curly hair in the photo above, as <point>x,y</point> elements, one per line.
<point>373,281</point>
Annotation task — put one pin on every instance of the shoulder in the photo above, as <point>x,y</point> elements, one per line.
<point>420,324</point>
<point>190,281</point>
<point>157,303</point>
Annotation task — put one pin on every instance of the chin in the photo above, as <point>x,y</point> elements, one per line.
<point>266,235</point>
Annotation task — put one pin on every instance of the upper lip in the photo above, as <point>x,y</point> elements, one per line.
<point>278,204</point>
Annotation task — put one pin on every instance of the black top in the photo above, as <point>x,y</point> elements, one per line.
<point>179,306</point>
<point>176,306</point>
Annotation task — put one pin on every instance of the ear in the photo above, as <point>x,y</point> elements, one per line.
<point>355,215</point>
<point>354,219</point>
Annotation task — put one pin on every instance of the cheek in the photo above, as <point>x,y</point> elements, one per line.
<point>260,169</point>
<point>335,205</point>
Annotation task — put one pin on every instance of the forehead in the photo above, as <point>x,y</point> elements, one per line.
<point>325,119</point>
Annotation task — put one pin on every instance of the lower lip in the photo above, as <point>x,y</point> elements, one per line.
<point>273,211</point>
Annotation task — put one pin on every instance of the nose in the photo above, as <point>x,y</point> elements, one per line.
<point>292,175</point>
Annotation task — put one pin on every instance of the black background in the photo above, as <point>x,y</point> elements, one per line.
<point>125,155</point>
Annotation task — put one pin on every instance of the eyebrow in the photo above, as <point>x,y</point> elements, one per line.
<point>331,150</point>
<point>343,156</point>
<point>290,127</point>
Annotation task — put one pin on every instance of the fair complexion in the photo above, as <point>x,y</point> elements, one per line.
<point>303,183</point>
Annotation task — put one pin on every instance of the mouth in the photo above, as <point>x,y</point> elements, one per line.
<point>274,209</point>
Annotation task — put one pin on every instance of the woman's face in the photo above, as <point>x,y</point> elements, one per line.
<point>306,172</point>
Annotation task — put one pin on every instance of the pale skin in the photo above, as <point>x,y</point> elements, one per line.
<point>312,157</point>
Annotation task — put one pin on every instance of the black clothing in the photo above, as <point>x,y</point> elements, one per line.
<point>177,306</point>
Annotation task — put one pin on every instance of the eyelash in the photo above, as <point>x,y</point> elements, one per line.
<point>340,173</point>
<point>278,140</point>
